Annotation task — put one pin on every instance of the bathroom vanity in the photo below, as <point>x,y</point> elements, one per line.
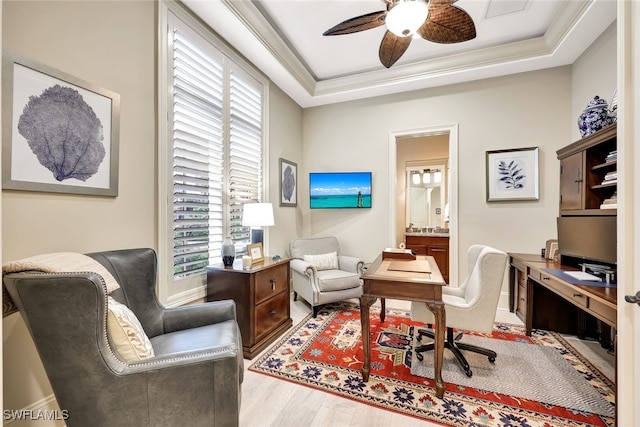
<point>431,244</point>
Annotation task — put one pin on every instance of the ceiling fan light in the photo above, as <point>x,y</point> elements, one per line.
<point>406,17</point>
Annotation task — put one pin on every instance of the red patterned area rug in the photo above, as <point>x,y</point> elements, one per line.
<point>326,353</point>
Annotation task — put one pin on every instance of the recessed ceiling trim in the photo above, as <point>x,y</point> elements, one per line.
<point>243,26</point>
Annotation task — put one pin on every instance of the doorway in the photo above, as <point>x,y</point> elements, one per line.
<point>397,185</point>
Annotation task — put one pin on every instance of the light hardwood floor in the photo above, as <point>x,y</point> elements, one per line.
<point>270,402</point>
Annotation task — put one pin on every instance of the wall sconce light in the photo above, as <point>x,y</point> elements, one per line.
<point>437,175</point>
<point>426,176</point>
<point>415,178</point>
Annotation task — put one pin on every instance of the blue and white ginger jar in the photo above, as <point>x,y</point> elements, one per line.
<point>595,117</point>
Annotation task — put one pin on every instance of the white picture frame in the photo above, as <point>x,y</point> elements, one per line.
<point>512,174</point>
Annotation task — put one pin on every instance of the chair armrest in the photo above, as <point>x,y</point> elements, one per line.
<point>193,316</point>
<point>349,263</point>
<point>303,267</point>
<point>185,359</point>
<point>454,291</point>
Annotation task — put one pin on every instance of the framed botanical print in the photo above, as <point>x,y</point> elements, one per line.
<point>512,174</point>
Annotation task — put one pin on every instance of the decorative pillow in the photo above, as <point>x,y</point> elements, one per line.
<point>126,332</point>
<point>323,262</point>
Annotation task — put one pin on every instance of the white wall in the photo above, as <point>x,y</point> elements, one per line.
<point>593,74</point>
<point>524,110</point>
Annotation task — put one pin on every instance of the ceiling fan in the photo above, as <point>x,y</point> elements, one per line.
<point>437,21</point>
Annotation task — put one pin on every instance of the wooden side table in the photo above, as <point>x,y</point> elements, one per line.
<point>262,296</point>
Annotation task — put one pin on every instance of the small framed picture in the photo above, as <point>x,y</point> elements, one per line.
<point>512,174</point>
<point>288,183</point>
<point>255,252</point>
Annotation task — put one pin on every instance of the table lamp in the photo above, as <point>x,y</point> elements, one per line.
<point>257,215</point>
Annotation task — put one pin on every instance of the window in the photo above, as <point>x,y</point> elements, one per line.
<point>214,154</point>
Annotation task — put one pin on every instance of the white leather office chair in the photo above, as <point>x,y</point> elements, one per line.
<point>470,307</point>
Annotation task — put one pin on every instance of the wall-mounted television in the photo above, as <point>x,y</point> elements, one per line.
<point>591,238</point>
<point>340,190</point>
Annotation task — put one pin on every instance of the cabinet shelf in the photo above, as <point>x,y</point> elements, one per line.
<point>604,165</point>
<point>607,185</point>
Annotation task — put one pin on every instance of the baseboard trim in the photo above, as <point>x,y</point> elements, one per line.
<point>43,413</point>
<point>187,297</point>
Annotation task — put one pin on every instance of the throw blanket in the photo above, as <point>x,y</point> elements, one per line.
<point>62,262</point>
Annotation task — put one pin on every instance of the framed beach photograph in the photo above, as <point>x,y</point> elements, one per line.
<point>255,252</point>
<point>288,183</point>
<point>60,133</point>
<point>512,174</point>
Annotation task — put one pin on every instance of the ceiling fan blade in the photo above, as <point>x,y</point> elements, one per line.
<point>359,23</point>
<point>392,48</point>
<point>447,24</point>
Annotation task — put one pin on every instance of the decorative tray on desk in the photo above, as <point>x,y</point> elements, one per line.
<point>396,253</point>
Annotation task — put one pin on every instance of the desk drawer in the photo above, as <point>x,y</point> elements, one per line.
<point>522,300</point>
<point>603,311</point>
<point>521,278</point>
<point>566,291</point>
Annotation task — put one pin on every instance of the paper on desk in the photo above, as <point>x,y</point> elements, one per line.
<point>581,275</point>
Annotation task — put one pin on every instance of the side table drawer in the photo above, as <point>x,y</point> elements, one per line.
<point>270,314</point>
<point>271,282</point>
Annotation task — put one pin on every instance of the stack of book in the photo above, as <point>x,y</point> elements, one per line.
<point>612,156</point>
<point>611,202</point>
<point>610,178</point>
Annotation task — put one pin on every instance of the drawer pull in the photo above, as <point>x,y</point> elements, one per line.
<point>273,284</point>
<point>272,313</point>
<point>577,295</point>
<point>545,278</point>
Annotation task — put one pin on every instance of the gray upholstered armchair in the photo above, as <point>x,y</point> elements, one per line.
<point>321,274</point>
<point>192,375</point>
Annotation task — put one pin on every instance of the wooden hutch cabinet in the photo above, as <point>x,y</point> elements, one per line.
<point>261,294</point>
<point>588,180</point>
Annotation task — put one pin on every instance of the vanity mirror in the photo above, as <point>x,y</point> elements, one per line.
<point>425,197</point>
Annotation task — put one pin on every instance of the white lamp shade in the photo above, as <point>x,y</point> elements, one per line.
<point>257,215</point>
<point>426,177</point>
<point>406,17</point>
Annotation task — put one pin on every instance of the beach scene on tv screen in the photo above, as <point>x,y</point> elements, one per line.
<point>340,190</point>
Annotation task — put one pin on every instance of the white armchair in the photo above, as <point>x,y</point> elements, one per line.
<point>471,306</point>
<point>321,274</point>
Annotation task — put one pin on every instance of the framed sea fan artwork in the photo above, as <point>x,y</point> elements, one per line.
<point>288,183</point>
<point>512,174</point>
<point>60,133</point>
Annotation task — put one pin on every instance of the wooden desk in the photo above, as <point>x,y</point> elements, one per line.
<point>383,280</point>
<point>545,301</point>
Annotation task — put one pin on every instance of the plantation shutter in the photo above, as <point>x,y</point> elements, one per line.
<point>245,154</point>
<point>217,135</point>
